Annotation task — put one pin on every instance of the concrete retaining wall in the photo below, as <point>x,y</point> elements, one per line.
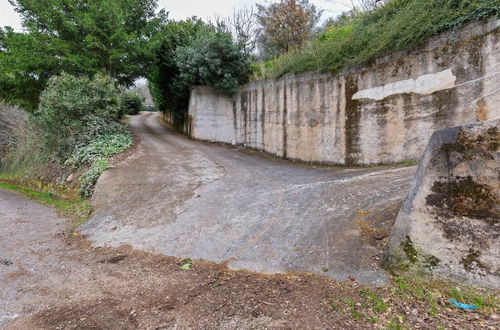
<point>383,112</point>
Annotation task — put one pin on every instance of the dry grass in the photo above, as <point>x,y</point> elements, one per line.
<point>13,125</point>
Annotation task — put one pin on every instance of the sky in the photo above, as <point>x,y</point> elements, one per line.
<point>205,9</point>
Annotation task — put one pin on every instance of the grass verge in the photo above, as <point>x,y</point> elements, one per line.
<point>76,209</point>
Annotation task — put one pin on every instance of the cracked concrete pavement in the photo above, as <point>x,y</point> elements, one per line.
<point>192,199</point>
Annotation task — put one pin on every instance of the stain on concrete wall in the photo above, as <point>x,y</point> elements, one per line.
<point>383,112</point>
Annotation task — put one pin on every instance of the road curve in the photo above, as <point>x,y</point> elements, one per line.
<point>191,199</point>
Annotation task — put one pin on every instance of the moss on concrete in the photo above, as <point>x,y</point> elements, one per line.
<point>463,197</point>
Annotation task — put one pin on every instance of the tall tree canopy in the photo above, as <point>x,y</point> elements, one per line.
<point>285,25</point>
<point>167,88</point>
<point>190,53</point>
<point>81,37</point>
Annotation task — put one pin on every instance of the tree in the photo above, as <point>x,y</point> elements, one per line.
<point>285,25</point>
<point>193,53</point>
<point>168,90</point>
<point>215,60</point>
<point>243,27</point>
<point>130,103</point>
<point>81,37</point>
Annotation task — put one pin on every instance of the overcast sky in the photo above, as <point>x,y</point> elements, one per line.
<point>204,9</point>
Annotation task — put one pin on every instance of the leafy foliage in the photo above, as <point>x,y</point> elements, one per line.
<point>130,103</point>
<point>169,91</point>
<point>76,127</point>
<point>362,36</point>
<point>74,110</point>
<point>213,59</point>
<point>91,177</point>
<point>77,37</point>
<point>193,53</point>
<point>103,146</point>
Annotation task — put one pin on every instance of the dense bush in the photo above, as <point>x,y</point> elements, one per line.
<point>213,59</point>
<point>168,90</point>
<point>361,36</point>
<point>74,110</point>
<point>102,147</point>
<point>130,103</point>
<point>75,129</point>
<point>193,53</point>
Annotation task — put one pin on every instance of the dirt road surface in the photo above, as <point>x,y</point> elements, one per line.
<point>49,280</point>
<point>52,280</point>
<point>184,198</point>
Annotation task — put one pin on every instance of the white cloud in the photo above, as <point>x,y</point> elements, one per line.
<point>8,17</point>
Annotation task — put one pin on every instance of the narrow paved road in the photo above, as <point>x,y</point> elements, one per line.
<point>185,198</point>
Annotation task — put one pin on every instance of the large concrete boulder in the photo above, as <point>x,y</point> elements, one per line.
<point>449,225</point>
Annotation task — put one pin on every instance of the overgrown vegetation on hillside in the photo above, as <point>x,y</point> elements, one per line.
<point>74,130</point>
<point>360,36</point>
<point>13,124</point>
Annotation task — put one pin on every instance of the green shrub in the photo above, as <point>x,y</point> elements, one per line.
<point>398,25</point>
<point>102,147</point>
<point>169,91</point>
<point>213,59</point>
<point>74,110</point>
<point>90,178</point>
<point>191,53</point>
<point>74,129</point>
<point>130,103</point>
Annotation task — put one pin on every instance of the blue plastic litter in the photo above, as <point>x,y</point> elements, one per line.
<point>461,305</point>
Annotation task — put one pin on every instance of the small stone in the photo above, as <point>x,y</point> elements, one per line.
<point>70,178</point>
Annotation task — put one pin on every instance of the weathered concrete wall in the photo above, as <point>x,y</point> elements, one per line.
<point>450,223</point>
<point>383,112</point>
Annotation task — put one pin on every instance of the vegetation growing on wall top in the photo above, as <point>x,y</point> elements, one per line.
<point>360,36</point>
